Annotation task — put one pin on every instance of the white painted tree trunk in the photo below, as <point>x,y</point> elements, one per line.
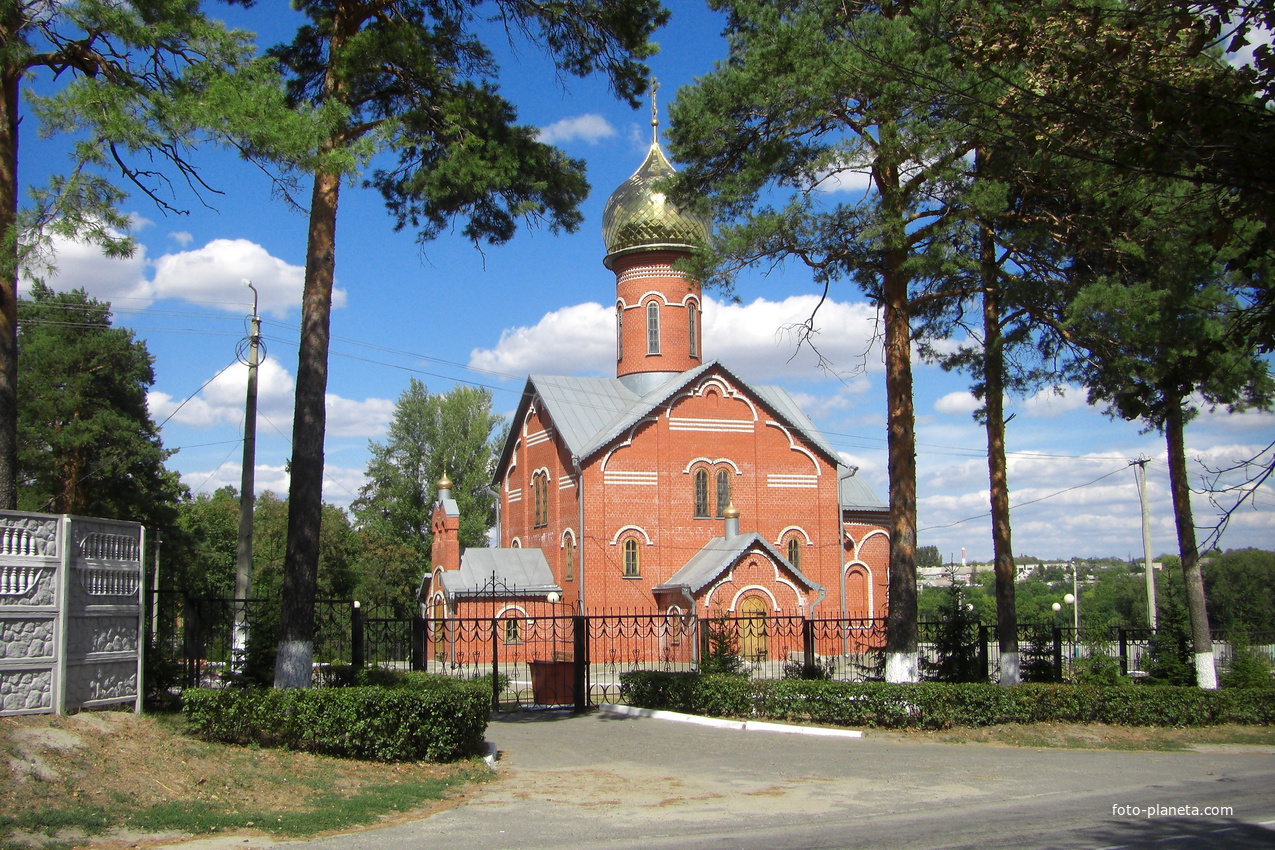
<point>901,668</point>
<point>1010,671</point>
<point>1205,671</point>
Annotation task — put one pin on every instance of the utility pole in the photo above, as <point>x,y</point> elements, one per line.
<point>1141,475</point>
<point>247,485</point>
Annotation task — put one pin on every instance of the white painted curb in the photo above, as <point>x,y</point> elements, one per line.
<point>719,723</point>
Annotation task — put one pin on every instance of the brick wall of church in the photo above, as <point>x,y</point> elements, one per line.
<point>643,488</point>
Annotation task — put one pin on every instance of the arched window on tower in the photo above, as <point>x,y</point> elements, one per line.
<point>619,332</point>
<point>692,327</point>
<point>723,492</point>
<point>701,493</point>
<point>653,327</point>
<point>794,552</point>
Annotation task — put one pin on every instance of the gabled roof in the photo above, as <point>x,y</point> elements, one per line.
<point>500,573</point>
<point>856,493</point>
<point>719,555</point>
<point>589,413</point>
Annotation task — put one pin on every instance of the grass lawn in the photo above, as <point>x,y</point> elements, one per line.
<point>112,779</point>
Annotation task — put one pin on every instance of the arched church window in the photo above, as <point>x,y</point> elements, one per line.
<point>632,568</point>
<point>723,492</point>
<point>653,327</point>
<point>619,333</point>
<point>569,556</point>
<point>540,490</point>
<point>692,329</point>
<point>701,493</point>
<point>794,552</point>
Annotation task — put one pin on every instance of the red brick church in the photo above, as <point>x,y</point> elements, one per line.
<point>674,487</point>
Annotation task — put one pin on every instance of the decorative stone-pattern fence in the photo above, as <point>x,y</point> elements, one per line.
<point>70,613</point>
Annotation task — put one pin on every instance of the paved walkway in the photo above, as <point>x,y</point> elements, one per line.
<point>640,782</point>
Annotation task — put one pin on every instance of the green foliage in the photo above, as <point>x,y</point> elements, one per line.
<point>1095,667</point>
<point>211,527</point>
<point>1036,654</point>
<point>931,705</point>
<point>1249,667</point>
<point>434,718</point>
<point>955,638</point>
<point>929,556</point>
<point>1240,588</point>
<point>1170,660</point>
<point>429,435</point>
<point>86,442</point>
<point>723,647</point>
<point>819,671</point>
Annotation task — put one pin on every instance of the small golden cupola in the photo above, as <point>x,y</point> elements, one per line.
<point>657,308</point>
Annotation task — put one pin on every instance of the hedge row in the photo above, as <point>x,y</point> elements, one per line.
<point>434,720</point>
<point>931,705</point>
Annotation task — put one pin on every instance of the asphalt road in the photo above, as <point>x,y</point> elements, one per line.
<point>594,781</point>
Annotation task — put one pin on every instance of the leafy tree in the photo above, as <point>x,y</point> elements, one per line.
<point>211,525</point>
<point>413,78</point>
<point>1160,342</point>
<point>812,91</point>
<point>929,556</point>
<point>86,440</point>
<point>430,434</point>
<point>145,78</point>
<point>956,637</point>
<point>1240,588</point>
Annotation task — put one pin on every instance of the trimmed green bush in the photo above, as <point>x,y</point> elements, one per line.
<point>932,705</point>
<point>430,718</point>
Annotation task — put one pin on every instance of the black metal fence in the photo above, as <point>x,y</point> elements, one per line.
<point>538,653</point>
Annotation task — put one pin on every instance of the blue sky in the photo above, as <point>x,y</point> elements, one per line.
<point>445,313</point>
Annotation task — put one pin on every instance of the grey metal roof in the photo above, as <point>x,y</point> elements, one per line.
<point>500,572</point>
<point>857,494</point>
<point>719,555</point>
<point>581,407</point>
<point>777,398</point>
<point>589,413</point>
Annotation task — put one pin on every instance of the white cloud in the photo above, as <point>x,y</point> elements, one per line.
<point>214,274</point>
<point>758,340</point>
<point>181,237</point>
<point>222,402</point>
<point>856,180</point>
<point>590,128</point>
<point>957,404</point>
<point>367,418</point>
<point>265,477</point>
<point>1053,402</point>
<point>80,265</point>
<point>211,275</point>
<point>572,340</point>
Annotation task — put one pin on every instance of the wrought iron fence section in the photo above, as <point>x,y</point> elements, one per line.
<point>622,643</point>
<point>848,650</point>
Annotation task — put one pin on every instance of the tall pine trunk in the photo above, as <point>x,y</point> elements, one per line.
<point>294,662</point>
<point>998,487</point>
<point>997,478</point>
<point>9,277</point>
<point>1201,636</point>
<point>901,663</point>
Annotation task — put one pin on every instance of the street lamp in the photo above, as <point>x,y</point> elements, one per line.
<point>1072,600</point>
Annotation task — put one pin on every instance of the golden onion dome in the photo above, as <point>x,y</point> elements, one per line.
<point>639,218</point>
